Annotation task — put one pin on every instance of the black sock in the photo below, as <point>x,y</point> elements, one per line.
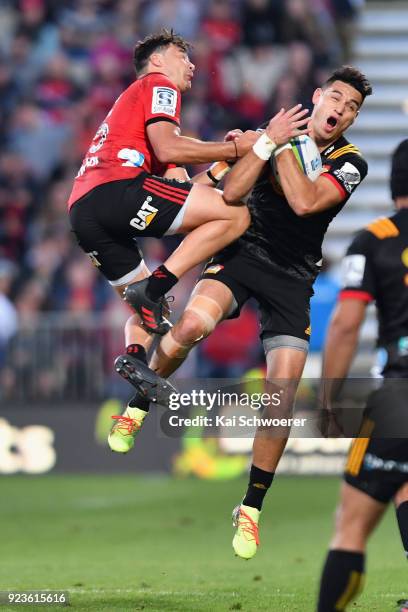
<point>160,282</point>
<point>259,483</point>
<point>138,351</point>
<point>402,518</point>
<point>139,401</point>
<point>341,581</point>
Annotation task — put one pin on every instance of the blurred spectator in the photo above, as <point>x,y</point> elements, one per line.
<point>18,200</point>
<point>33,131</point>
<point>181,15</point>
<point>221,27</point>
<point>345,17</point>
<point>298,82</point>
<point>262,22</point>
<point>8,313</point>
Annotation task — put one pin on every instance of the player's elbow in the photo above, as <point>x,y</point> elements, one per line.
<point>302,209</point>
<point>164,154</point>
<point>230,194</point>
<point>167,149</point>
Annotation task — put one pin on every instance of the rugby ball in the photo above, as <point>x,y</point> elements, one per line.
<point>308,157</point>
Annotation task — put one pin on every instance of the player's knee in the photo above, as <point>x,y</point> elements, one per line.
<point>190,328</point>
<point>350,527</point>
<point>239,220</point>
<point>201,316</point>
<point>244,218</point>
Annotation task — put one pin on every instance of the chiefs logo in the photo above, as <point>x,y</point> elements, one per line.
<point>214,269</point>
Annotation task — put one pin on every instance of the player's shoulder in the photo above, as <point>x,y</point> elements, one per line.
<point>383,228</point>
<point>372,236</point>
<point>344,151</point>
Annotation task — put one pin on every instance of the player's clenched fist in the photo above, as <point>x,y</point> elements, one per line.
<point>286,124</point>
<point>245,141</point>
<point>233,135</point>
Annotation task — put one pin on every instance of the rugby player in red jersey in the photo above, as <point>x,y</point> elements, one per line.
<point>131,185</point>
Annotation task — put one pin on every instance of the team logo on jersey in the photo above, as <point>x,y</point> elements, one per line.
<point>214,269</point>
<point>164,101</point>
<point>100,137</point>
<point>353,267</point>
<point>144,216</point>
<point>349,176</point>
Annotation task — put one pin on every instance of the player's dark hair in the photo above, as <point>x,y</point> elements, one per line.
<point>352,76</point>
<point>399,171</point>
<point>156,42</point>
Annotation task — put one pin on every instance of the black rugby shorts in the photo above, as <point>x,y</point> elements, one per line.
<point>108,220</point>
<point>378,465</point>
<point>284,301</point>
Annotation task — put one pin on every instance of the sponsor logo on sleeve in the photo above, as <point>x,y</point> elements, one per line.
<point>164,101</point>
<point>353,267</point>
<point>349,176</point>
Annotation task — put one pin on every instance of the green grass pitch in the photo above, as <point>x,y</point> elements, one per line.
<point>138,543</point>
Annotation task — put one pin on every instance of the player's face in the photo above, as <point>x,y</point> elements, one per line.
<point>179,69</point>
<point>336,108</point>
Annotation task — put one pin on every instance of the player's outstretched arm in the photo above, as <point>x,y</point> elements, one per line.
<point>340,346</point>
<point>342,337</point>
<point>170,146</point>
<point>281,128</point>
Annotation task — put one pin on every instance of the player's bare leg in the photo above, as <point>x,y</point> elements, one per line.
<point>342,578</point>
<point>210,225</point>
<point>137,341</point>
<point>209,303</point>
<point>284,369</point>
<point>206,307</point>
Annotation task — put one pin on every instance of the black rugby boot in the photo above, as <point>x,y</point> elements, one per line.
<point>151,312</point>
<point>150,385</point>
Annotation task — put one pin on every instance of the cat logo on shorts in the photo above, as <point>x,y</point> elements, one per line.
<point>145,215</point>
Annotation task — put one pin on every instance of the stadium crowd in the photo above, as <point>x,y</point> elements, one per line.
<point>62,65</point>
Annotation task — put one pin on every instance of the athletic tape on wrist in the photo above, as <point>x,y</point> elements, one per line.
<point>279,150</point>
<point>217,171</point>
<point>264,147</point>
